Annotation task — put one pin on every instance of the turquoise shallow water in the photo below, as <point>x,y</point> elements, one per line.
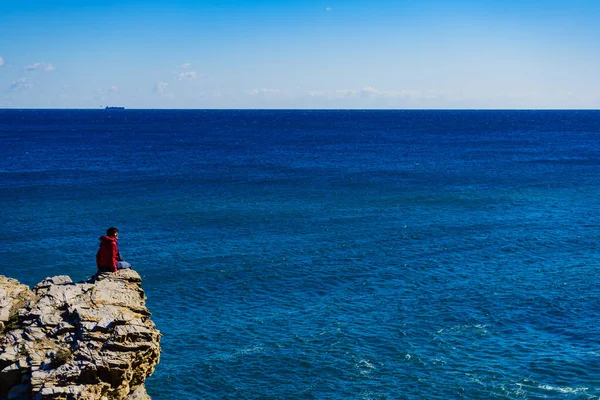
<point>328,254</point>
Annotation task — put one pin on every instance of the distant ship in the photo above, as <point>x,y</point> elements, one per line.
<point>114,108</point>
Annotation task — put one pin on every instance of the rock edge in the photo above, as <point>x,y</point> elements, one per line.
<point>88,340</point>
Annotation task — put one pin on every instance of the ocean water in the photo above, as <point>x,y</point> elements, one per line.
<point>328,254</point>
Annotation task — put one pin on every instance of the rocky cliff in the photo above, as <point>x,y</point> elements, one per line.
<point>87,340</point>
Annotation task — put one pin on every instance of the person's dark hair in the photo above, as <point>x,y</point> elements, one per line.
<point>111,231</point>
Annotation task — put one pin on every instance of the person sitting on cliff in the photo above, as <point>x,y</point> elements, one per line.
<point>108,257</point>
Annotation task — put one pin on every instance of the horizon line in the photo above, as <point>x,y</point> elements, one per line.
<point>295,109</point>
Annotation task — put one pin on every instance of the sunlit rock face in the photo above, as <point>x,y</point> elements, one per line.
<point>87,340</point>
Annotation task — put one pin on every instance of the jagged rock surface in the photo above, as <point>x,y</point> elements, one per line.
<point>13,296</point>
<point>64,340</point>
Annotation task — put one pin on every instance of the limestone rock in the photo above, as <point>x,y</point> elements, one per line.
<point>89,340</point>
<point>13,296</point>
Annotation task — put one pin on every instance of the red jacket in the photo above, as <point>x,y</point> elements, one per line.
<point>108,254</point>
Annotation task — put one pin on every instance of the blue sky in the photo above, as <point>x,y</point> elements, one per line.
<point>300,54</point>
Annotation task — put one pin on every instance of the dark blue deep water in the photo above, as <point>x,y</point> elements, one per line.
<point>328,254</point>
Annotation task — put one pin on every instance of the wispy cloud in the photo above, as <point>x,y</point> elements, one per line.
<point>334,94</point>
<point>328,9</point>
<point>32,67</point>
<point>159,87</point>
<point>1,62</point>
<point>371,92</point>
<point>256,92</point>
<point>186,75</point>
<point>40,65</point>
<point>114,89</point>
<point>20,84</point>
<point>185,65</point>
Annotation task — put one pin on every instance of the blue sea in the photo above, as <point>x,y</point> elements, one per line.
<point>328,254</point>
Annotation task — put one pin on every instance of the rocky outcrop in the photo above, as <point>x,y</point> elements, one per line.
<point>64,340</point>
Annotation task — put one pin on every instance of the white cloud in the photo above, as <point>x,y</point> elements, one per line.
<point>32,67</point>
<point>114,89</point>
<point>334,94</point>
<point>255,92</point>
<point>20,84</point>
<point>369,96</point>
<point>185,65</point>
<point>372,92</point>
<point>367,92</point>
<point>359,96</point>
<point>40,65</point>
<point>187,75</point>
<point>159,87</point>
<point>1,62</point>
